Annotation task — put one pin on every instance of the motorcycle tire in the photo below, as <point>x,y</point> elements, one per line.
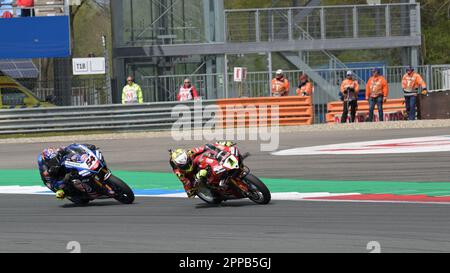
<point>124,194</point>
<point>260,194</point>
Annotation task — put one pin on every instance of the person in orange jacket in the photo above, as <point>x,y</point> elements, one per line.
<point>305,87</point>
<point>377,91</point>
<point>412,84</point>
<point>349,95</point>
<point>280,85</point>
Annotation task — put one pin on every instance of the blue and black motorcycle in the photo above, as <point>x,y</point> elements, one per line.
<point>90,178</point>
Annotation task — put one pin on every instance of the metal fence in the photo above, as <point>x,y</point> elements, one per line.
<point>90,91</point>
<point>326,22</point>
<point>165,88</point>
<point>149,116</point>
<point>93,91</point>
<point>49,8</point>
<point>258,84</point>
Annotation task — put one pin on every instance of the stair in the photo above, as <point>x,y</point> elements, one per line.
<point>296,59</point>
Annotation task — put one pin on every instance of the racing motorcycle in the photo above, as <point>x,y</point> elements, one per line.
<point>229,178</point>
<point>89,178</point>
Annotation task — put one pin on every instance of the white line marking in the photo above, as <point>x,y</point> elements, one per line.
<point>392,146</point>
<point>277,196</point>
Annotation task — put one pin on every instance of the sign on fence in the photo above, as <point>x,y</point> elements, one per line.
<point>240,74</point>
<point>89,66</point>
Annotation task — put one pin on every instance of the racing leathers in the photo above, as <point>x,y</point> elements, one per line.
<point>198,171</point>
<point>52,171</point>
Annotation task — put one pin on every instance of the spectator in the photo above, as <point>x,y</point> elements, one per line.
<point>349,95</point>
<point>132,92</point>
<point>377,90</point>
<point>187,91</point>
<point>280,85</point>
<point>7,14</point>
<point>411,83</point>
<point>27,7</point>
<point>305,87</point>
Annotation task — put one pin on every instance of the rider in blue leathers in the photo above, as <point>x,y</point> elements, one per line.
<point>53,173</point>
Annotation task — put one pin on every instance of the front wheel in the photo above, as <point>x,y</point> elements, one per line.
<point>124,194</point>
<point>259,193</point>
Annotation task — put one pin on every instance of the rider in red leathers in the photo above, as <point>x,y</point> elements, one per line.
<point>191,166</point>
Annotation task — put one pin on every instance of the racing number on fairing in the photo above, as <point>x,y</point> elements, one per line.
<point>89,161</point>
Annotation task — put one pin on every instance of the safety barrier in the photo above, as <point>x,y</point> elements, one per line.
<point>263,111</point>
<point>394,108</point>
<point>156,116</point>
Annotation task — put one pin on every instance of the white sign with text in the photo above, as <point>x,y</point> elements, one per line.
<point>88,66</point>
<point>240,74</point>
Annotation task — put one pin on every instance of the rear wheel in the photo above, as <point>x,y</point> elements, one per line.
<point>124,194</point>
<point>259,193</point>
<point>208,196</point>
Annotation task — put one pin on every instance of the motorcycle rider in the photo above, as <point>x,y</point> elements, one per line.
<point>53,174</point>
<point>186,165</point>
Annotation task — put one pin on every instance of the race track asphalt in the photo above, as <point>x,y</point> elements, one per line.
<point>32,223</point>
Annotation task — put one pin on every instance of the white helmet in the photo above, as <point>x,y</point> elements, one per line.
<point>279,72</point>
<point>181,159</point>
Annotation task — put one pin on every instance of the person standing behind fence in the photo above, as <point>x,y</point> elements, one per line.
<point>27,7</point>
<point>377,91</point>
<point>349,95</point>
<point>280,85</point>
<point>411,83</point>
<point>187,91</point>
<point>7,14</point>
<point>132,92</point>
<point>305,87</point>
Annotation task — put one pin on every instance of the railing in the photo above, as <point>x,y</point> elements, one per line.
<point>392,108</point>
<point>212,86</point>
<point>154,116</point>
<point>325,22</point>
<point>177,35</point>
<point>165,88</point>
<point>90,91</point>
<point>257,84</point>
<point>260,112</point>
<point>226,113</point>
<point>53,8</point>
<point>158,22</point>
